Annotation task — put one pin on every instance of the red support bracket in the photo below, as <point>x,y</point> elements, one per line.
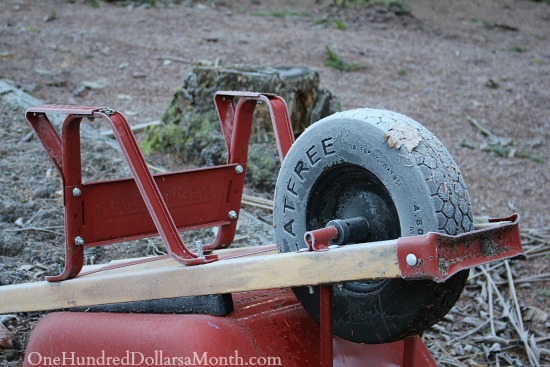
<point>105,212</point>
<point>65,153</point>
<point>432,256</point>
<point>235,111</point>
<point>326,325</point>
<point>437,256</point>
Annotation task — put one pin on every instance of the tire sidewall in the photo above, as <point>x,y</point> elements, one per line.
<point>358,138</point>
<point>319,149</point>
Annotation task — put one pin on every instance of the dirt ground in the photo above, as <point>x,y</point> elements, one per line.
<point>458,67</point>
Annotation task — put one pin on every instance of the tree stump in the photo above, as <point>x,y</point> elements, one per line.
<point>191,128</point>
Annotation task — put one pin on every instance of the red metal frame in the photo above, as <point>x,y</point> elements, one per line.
<point>438,256</point>
<point>105,212</point>
<point>326,325</point>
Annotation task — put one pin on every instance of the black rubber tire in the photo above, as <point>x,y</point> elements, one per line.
<point>385,167</point>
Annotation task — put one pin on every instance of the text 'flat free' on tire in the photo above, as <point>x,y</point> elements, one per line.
<point>390,170</point>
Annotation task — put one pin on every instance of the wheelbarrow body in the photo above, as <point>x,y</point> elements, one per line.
<point>267,328</point>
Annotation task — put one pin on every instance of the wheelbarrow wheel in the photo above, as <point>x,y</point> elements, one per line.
<point>390,170</point>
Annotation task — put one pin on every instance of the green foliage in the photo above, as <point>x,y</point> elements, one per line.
<point>398,6</point>
<point>32,29</point>
<point>518,49</point>
<point>508,150</point>
<point>321,21</point>
<point>280,14</point>
<point>263,161</point>
<point>325,21</point>
<point>490,83</point>
<point>157,139</point>
<point>50,17</point>
<point>335,61</point>
<point>340,24</point>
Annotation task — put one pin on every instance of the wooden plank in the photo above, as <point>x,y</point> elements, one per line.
<point>168,279</point>
<point>166,261</point>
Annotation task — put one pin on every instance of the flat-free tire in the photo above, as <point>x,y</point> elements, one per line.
<point>390,170</point>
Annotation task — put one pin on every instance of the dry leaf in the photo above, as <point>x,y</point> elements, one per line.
<point>402,134</point>
<point>6,338</point>
<point>535,314</point>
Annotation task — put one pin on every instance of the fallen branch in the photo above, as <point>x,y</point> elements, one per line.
<point>473,331</point>
<point>175,59</point>
<point>485,131</point>
<point>257,202</point>
<point>38,229</point>
<point>523,333</point>
<point>135,128</point>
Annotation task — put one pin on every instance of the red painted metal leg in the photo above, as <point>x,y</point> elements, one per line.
<point>236,124</point>
<point>282,125</point>
<point>409,351</point>
<point>327,355</point>
<point>72,174</point>
<point>65,154</point>
<point>45,131</point>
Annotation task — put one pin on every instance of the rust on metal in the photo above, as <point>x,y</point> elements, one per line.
<point>440,256</point>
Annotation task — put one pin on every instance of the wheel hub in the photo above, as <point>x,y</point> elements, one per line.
<point>348,191</point>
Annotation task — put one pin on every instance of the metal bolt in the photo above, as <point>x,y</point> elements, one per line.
<point>79,241</point>
<point>239,169</point>
<point>77,192</point>
<point>232,214</point>
<point>411,260</point>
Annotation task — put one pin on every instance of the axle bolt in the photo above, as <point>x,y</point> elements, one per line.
<point>239,169</point>
<point>77,192</point>
<point>411,260</point>
<point>79,241</point>
<point>232,214</point>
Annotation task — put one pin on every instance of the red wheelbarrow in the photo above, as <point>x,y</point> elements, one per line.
<point>373,228</point>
